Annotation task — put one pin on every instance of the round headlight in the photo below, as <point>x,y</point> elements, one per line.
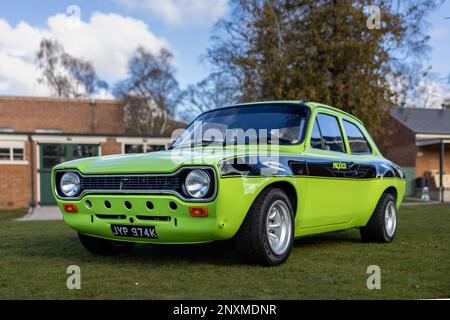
<point>197,183</point>
<point>70,184</point>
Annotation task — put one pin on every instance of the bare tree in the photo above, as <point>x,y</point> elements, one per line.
<point>65,75</point>
<point>446,102</point>
<point>150,94</point>
<point>213,92</point>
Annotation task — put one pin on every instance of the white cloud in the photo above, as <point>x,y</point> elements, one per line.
<point>181,12</point>
<point>431,94</point>
<point>107,40</point>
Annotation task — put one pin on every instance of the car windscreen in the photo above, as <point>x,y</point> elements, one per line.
<point>283,124</point>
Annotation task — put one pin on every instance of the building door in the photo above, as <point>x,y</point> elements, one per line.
<point>52,154</point>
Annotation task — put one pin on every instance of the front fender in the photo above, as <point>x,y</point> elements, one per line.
<point>235,198</point>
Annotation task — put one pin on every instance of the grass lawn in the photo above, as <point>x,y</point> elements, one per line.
<point>34,257</point>
<point>12,214</point>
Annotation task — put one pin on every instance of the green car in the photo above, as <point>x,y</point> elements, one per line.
<point>262,174</point>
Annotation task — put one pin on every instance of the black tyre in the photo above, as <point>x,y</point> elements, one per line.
<point>267,234</point>
<point>383,223</point>
<point>103,246</point>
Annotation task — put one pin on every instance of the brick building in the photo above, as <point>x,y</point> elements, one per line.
<point>37,133</point>
<point>421,145</point>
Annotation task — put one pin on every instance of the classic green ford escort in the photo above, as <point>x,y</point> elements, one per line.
<point>261,173</point>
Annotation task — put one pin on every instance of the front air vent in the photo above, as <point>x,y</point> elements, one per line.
<point>111,216</point>
<point>154,218</point>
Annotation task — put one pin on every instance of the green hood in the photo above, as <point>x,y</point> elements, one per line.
<point>162,161</point>
<point>153,162</point>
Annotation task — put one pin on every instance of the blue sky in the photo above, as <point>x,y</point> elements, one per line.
<point>183,25</point>
<point>439,31</point>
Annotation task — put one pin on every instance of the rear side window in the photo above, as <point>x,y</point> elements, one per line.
<point>356,139</point>
<point>330,134</point>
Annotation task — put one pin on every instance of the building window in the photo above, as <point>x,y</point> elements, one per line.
<point>5,154</point>
<point>12,152</point>
<point>141,148</point>
<point>18,154</point>
<point>154,147</point>
<point>134,148</point>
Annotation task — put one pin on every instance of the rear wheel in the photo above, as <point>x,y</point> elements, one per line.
<point>383,223</point>
<point>103,246</point>
<point>267,233</point>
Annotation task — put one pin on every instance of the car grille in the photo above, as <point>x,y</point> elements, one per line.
<point>139,183</point>
<point>130,182</point>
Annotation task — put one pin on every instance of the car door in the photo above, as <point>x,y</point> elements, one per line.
<point>332,196</point>
<point>364,165</point>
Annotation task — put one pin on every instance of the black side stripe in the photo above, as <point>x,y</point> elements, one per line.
<point>302,166</point>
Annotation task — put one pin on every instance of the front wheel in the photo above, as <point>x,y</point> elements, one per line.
<point>383,223</point>
<point>267,233</point>
<point>103,246</point>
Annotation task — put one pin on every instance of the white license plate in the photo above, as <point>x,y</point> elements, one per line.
<point>148,232</point>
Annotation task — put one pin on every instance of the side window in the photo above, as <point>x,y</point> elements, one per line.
<point>358,143</point>
<point>330,132</point>
<point>316,137</point>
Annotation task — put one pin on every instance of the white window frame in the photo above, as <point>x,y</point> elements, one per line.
<point>11,145</point>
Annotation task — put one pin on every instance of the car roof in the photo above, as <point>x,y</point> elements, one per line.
<point>310,104</point>
<point>324,106</point>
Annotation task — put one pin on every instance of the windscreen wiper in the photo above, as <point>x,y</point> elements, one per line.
<point>202,143</point>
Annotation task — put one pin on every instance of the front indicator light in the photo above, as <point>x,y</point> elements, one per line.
<point>198,211</point>
<point>70,207</point>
